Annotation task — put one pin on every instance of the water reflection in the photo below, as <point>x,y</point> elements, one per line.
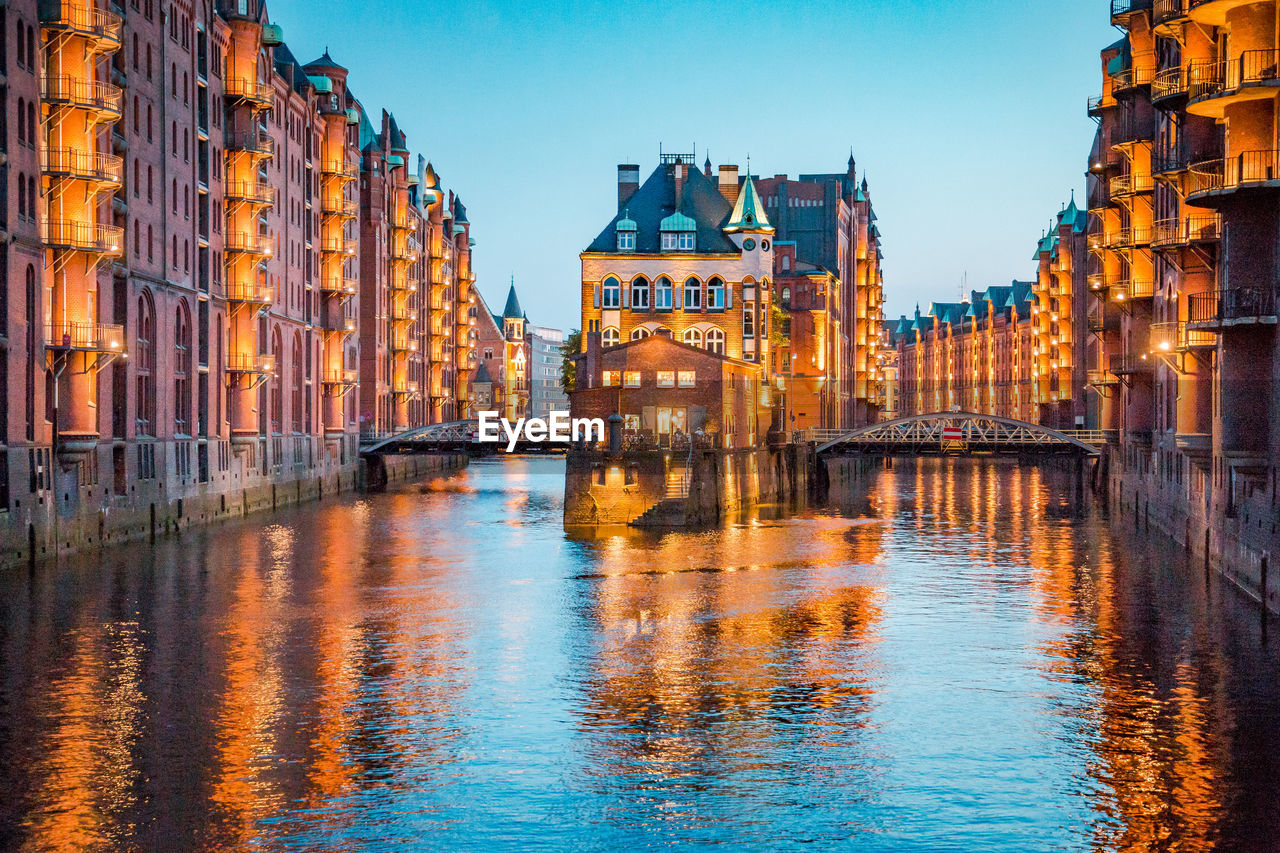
<point>956,655</point>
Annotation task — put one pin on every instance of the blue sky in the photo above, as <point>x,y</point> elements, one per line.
<point>968,116</point>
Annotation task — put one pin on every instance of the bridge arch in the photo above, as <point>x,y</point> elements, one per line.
<point>452,432</point>
<point>986,432</point>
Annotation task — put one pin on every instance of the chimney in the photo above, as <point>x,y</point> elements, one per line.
<point>628,182</point>
<point>589,365</point>
<point>729,183</point>
<point>678,171</point>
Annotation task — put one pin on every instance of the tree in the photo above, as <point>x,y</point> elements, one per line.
<point>568,367</point>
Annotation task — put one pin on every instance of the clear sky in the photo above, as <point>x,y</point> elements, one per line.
<point>968,116</point>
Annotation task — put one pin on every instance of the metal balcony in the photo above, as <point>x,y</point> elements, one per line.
<point>1139,74</point>
<point>99,26</point>
<point>339,170</point>
<point>1189,230</point>
<point>1128,185</point>
<point>106,170</point>
<point>262,364</point>
<point>1122,9</point>
<point>253,142</point>
<point>1209,180</point>
<point>1102,378</point>
<point>1129,238</point>
<point>1169,84</point>
<point>338,285</point>
<point>337,246</point>
<point>342,377</point>
<point>1178,337</point>
<point>257,95</point>
<point>1132,289</point>
<point>251,192</point>
<point>75,236</point>
<point>340,209</point>
<point>1131,364</point>
<point>1214,85</point>
<point>251,294</point>
<point>244,243</point>
<point>338,326</point>
<point>403,342</point>
<point>401,314</point>
<point>102,100</point>
<point>1167,15</point>
<point>1235,307</point>
<point>71,336</point>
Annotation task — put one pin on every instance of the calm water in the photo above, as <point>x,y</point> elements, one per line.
<point>960,659</point>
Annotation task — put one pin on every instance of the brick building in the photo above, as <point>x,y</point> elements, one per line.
<point>186,267</point>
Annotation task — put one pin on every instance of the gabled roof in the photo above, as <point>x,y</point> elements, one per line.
<point>325,61</point>
<point>482,374</point>
<point>655,200</point>
<point>748,212</point>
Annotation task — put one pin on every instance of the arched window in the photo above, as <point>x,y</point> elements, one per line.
<point>182,371</point>
<point>715,294</point>
<point>662,293</point>
<point>715,341</point>
<point>611,337</point>
<point>786,297</point>
<point>640,293</point>
<point>277,397</point>
<point>692,295</point>
<point>664,332</point>
<point>144,367</point>
<point>295,370</point>
<point>693,337</point>
<point>611,293</point>
<point>639,332</point>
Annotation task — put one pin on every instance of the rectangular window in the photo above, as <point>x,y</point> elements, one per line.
<point>610,378</point>
<point>666,379</point>
<point>748,319</point>
<point>626,241</point>
<point>612,294</point>
<point>668,242</point>
<point>640,295</point>
<point>632,379</point>
<point>662,295</point>
<point>687,378</point>
<point>685,243</point>
<point>692,295</point>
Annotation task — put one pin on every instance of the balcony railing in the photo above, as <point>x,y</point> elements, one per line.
<point>83,19</point>
<point>1130,238</point>
<point>251,192</point>
<point>1235,306</point>
<point>338,285</point>
<point>106,169</point>
<point>1098,103</point>
<point>1245,170</point>
<point>1130,289</point>
<point>1169,83</point>
<point>254,142</point>
<point>341,208</point>
<point>243,362</point>
<point>1122,185</point>
<point>1166,11</point>
<point>1251,68</point>
<point>401,314</point>
<point>102,99</point>
<point>1121,8</point>
<point>1140,73</point>
<point>85,337</point>
<point>339,325</point>
<point>337,246</point>
<point>258,95</point>
<point>340,169</point>
<point>341,377</point>
<point>251,244</point>
<point>1129,364</point>
<point>249,293</point>
<point>1133,130</point>
<point>403,342</point>
<point>1102,378</point>
<point>1187,230</point>
<point>73,235</point>
<point>1177,337</point>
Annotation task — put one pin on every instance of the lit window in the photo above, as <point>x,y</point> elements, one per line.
<point>687,378</point>
<point>715,295</point>
<point>632,379</point>
<point>666,379</point>
<point>610,378</point>
<point>749,320</point>
<point>685,241</point>
<point>610,337</point>
<point>692,294</point>
<point>693,337</point>
<point>662,294</point>
<point>715,341</point>
<point>640,294</point>
<point>626,241</point>
<point>639,332</point>
<point>612,294</point>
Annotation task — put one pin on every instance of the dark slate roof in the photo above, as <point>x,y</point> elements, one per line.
<point>398,140</point>
<point>656,200</point>
<point>325,61</point>
<point>512,311</point>
<point>459,211</point>
<point>288,68</point>
<point>482,374</point>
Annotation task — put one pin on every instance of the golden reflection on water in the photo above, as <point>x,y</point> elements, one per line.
<point>360,647</point>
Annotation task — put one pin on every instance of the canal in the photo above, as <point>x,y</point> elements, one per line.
<point>959,656</point>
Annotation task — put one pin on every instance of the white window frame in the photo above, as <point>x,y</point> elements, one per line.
<point>694,304</point>
<point>715,341</point>
<point>748,319</point>
<point>640,294</point>
<point>660,290</point>
<point>610,337</point>
<point>715,295</point>
<point>611,285</point>
<point>626,241</point>
<point>668,241</point>
<point>686,241</point>
<point>692,337</point>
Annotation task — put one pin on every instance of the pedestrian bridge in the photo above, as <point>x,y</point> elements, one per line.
<point>452,434</point>
<point>958,433</point>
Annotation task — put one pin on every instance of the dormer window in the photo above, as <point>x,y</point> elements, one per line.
<point>679,233</point>
<point>626,231</point>
<point>668,241</point>
<point>684,241</point>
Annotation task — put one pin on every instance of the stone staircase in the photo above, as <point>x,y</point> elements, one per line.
<point>670,511</point>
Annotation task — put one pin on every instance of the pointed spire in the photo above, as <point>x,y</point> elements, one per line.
<point>748,211</point>
<point>512,310</point>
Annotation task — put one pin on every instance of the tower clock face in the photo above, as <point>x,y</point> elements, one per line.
<point>748,244</point>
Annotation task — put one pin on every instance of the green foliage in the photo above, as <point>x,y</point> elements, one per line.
<point>568,367</point>
<point>779,326</point>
